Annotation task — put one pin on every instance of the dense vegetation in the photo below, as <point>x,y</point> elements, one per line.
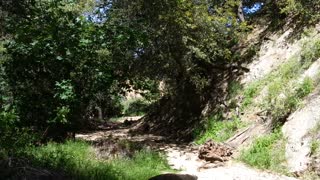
<point>66,63</point>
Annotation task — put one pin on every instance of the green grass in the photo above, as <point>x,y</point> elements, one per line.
<point>315,143</point>
<point>282,99</point>
<point>250,93</point>
<point>234,89</point>
<point>281,77</point>
<point>315,146</point>
<point>143,165</point>
<point>78,160</point>
<point>266,152</point>
<point>310,51</point>
<point>219,130</point>
<point>314,153</point>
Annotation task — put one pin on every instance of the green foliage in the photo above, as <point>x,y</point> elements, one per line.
<point>266,152</point>
<point>305,88</point>
<point>65,93</point>
<point>284,94</point>
<point>304,9</point>
<point>12,138</point>
<point>315,142</point>
<point>234,89</point>
<point>219,130</point>
<point>315,146</point>
<point>249,93</point>
<point>135,107</point>
<point>143,165</point>
<point>77,160</point>
<point>199,41</point>
<point>59,77</point>
<point>310,51</point>
<point>65,90</point>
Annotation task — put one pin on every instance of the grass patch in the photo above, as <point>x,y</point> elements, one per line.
<point>234,89</point>
<point>266,152</point>
<point>78,160</point>
<point>315,145</point>
<point>284,98</point>
<point>250,92</point>
<point>143,165</point>
<point>311,173</point>
<point>219,130</point>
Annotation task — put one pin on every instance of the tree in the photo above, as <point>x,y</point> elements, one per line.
<point>189,48</point>
<point>60,69</point>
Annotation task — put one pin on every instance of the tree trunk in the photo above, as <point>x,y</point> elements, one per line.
<point>240,12</point>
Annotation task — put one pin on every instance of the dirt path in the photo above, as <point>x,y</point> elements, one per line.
<point>183,157</point>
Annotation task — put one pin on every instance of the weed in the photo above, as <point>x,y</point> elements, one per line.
<point>305,88</point>
<point>78,160</point>
<point>284,98</point>
<point>315,145</point>
<point>249,93</point>
<point>310,51</point>
<point>266,152</point>
<point>219,130</point>
<point>233,89</point>
<point>315,130</point>
<point>143,165</point>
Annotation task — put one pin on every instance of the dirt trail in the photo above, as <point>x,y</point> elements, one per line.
<point>183,157</point>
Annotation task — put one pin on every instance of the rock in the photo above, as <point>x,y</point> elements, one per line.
<point>296,130</point>
<point>174,177</point>
<point>212,151</point>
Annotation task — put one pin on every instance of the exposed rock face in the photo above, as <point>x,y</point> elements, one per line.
<point>174,177</point>
<point>272,54</point>
<point>296,131</point>
<point>212,152</point>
